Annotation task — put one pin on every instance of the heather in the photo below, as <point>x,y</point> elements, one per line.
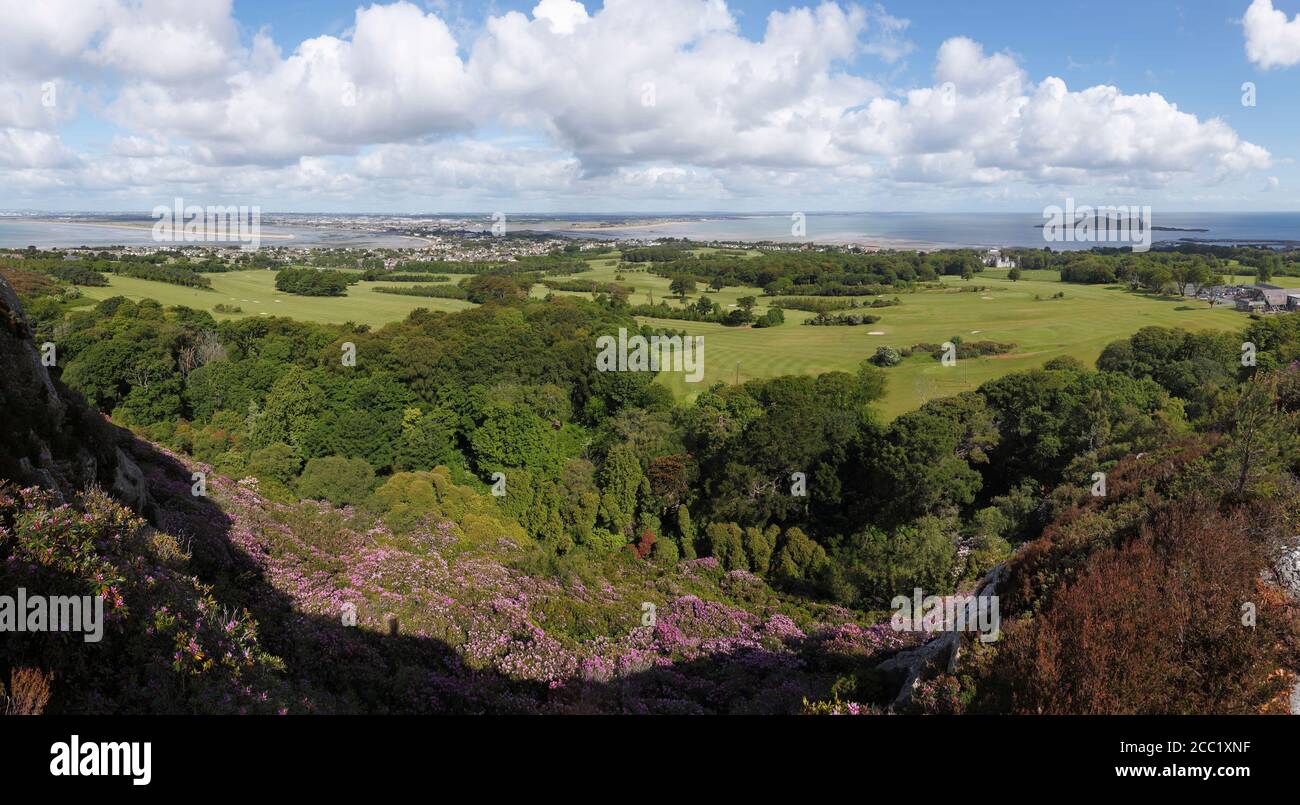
<point>486,621</point>
<point>169,644</point>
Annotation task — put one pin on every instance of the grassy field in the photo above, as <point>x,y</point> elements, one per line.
<point>649,288</point>
<point>1080,325</point>
<point>255,292</point>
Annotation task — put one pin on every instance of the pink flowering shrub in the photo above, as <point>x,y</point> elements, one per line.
<point>938,696</point>
<point>484,621</point>
<point>167,644</point>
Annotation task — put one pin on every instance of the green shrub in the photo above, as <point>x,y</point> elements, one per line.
<point>278,462</point>
<point>886,356</point>
<point>603,541</point>
<point>341,481</point>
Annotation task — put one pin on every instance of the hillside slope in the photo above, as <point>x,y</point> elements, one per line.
<point>48,435</point>
<point>232,601</point>
<point>229,602</point>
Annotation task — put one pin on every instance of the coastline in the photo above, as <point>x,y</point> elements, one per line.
<point>136,227</point>
<point>867,231</point>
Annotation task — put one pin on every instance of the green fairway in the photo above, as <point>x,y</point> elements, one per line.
<point>650,288</point>
<point>1080,325</point>
<point>255,292</point>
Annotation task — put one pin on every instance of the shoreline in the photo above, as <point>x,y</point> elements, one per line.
<point>138,227</point>
<point>715,232</point>
<point>610,230</point>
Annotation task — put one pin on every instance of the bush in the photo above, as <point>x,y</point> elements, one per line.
<point>798,559</point>
<point>430,291</point>
<point>169,274</point>
<point>726,543</point>
<point>824,319</point>
<point>976,349</point>
<point>409,498</point>
<point>313,282</point>
<point>604,541</point>
<point>886,356</point>
<point>665,552</point>
<point>278,462</point>
<point>168,645</point>
<point>341,481</point>
<point>77,275</point>
<point>1094,646</point>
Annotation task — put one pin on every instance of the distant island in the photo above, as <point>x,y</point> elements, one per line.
<point>1153,229</point>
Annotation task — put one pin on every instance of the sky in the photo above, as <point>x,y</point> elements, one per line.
<point>647,106</point>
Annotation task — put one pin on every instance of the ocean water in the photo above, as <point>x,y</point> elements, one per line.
<point>920,230</point>
<point>19,233</point>
<point>952,230</point>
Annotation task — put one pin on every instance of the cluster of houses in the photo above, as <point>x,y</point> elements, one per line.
<point>1258,298</point>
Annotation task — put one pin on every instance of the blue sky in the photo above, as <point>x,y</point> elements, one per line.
<point>650,105</point>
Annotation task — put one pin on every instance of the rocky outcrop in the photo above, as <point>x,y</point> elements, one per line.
<point>913,666</point>
<point>938,656</point>
<point>129,485</point>
<point>49,436</point>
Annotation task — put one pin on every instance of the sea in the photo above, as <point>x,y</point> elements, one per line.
<point>930,230</point>
<point>901,230</point>
<point>20,232</point>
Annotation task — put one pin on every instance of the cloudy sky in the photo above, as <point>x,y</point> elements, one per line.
<point>649,105</point>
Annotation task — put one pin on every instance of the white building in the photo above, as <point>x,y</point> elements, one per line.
<point>994,258</point>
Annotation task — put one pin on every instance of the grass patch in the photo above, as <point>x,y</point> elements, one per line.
<point>1080,325</point>
<point>255,294</point>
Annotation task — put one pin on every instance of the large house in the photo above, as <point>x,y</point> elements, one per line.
<point>994,258</point>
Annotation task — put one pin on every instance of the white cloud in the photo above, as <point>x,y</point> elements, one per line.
<point>674,80</point>
<point>1271,39</point>
<point>468,165</point>
<point>40,37</point>
<point>29,104</point>
<point>635,100</point>
<point>992,124</point>
<point>564,16</point>
<point>34,149</point>
<point>398,76</point>
<point>886,39</point>
<point>169,41</point>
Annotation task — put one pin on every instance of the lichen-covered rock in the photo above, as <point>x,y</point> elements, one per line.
<point>48,435</point>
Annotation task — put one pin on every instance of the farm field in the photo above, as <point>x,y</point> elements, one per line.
<point>1079,325</point>
<point>255,292</point>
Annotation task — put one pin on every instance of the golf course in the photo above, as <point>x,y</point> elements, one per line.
<point>255,294</point>
<point>1027,312</point>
